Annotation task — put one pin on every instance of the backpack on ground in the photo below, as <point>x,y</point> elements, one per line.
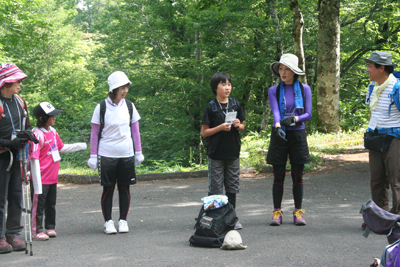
<point>212,225</point>
<point>380,221</point>
<point>394,95</point>
<point>390,256</point>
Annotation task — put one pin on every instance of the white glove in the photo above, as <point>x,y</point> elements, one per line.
<point>92,162</point>
<point>138,158</point>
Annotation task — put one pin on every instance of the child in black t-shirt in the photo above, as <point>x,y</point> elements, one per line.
<point>223,119</point>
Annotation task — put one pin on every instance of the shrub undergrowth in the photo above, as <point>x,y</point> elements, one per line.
<point>253,153</point>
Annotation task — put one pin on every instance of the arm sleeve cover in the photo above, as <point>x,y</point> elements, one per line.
<point>136,136</point>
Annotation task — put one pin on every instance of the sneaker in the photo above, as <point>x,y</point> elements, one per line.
<point>4,246</point>
<point>276,217</point>
<point>41,237</point>
<point>238,226</point>
<point>51,233</point>
<point>123,226</point>
<point>298,217</point>
<point>17,244</point>
<point>109,227</point>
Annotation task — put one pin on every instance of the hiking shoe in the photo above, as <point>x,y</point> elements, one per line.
<point>109,227</point>
<point>276,217</point>
<point>4,246</point>
<point>51,233</point>
<point>123,226</point>
<point>238,226</point>
<point>298,217</point>
<point>17,244</point>
<point>41,237</point>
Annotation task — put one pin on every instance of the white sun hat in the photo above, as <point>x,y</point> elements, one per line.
<point>117,79</point>
<point>233,241</point>
<point>289,60</point>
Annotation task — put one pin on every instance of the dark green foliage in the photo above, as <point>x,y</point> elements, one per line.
<point>170,50</point>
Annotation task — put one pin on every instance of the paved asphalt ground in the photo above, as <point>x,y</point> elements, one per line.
<point>162,216</point>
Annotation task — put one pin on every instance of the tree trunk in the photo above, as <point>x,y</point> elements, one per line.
<point>279,49</point>
<point>298,23</point>
<point>328,69</point>
<point>274,16</point>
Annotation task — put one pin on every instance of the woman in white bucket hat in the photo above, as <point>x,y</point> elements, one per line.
<point>115,123</point>
<point>291,106</point>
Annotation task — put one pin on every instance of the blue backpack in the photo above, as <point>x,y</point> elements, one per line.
<point>394,95</point>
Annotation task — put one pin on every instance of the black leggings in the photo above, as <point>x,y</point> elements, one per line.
<point>279,179</point>
<point>124,201</point>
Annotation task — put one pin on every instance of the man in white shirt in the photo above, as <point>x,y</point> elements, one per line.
<point>383,128</point>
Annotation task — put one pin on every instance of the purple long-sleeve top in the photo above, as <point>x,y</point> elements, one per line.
<point>289,97</point>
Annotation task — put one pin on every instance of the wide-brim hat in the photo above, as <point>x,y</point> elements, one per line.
<point>45,108</point>
<point>10,73</point>
<point>381,58</point>
<point>117,79</point>
<point>289,60</point>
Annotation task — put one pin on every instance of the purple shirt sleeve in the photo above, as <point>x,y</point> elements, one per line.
<point>94,138</point>
<point>136,136</point>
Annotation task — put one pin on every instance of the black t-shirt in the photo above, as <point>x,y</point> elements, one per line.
<point>222,145</point>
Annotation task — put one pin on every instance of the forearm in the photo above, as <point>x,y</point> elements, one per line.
<point>206,131</point>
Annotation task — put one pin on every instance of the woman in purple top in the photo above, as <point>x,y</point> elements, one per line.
<point>291,106</point>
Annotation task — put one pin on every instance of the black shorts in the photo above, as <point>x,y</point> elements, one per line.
<point>296,147</point>
<point>116,170</point>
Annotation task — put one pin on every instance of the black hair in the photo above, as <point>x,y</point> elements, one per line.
<point>113,93</point>
<point>388,69</point>
<point>217,78</point>
<point>42,122</point>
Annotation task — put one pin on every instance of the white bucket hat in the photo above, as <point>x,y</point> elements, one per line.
<point>232,241</point>
<point>289,60</point>
<point>117,79</point>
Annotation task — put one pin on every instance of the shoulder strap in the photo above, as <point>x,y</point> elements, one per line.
<point>214,105</point>
<point>103,108</point>
<point>232,104</point>
<point>370,89</point>
<point>20,101</point>
<point>394,96</point>
<point>130,108</point>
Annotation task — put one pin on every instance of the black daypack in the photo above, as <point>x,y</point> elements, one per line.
<point>212,225</point>
<point>380,221</point>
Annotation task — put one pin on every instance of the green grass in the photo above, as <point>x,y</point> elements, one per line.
<point>253,153</point>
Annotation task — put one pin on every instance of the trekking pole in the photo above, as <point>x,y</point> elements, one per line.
<point>25,190</point>
<point>26,200</point>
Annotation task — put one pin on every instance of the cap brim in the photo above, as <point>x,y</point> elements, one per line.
<point>55,112</point>
<point>367,60</point>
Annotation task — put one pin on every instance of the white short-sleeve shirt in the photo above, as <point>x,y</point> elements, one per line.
<point>116,139</point>
<point>381,111</point>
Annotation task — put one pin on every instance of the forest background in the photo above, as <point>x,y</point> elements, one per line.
<point>170,50</point>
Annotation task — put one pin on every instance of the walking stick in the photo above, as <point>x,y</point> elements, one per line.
<point>26,199</point>
<point>25,186</point>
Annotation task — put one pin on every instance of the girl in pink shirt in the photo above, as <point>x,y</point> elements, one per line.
<point>44,162</point>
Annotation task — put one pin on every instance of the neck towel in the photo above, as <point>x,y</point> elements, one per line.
<point>378,89</point>
<point>298,99</point>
